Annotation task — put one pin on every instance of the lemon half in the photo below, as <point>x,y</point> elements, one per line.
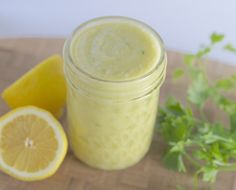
<point>32,143</point>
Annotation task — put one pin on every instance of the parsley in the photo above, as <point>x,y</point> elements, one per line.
<point>209,146</point>
<point>230,48</point>
<point>178,73</point>
<point>216,38</point>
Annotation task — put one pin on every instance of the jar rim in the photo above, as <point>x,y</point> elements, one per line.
<point>94,20</point>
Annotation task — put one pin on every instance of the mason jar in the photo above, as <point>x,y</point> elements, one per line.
<point>111,122</point>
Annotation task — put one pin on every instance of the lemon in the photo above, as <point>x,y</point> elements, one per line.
<point>43,86</point>
<point>32,143</point>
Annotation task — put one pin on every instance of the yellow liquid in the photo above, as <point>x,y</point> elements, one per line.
<point>113,132</point>
<point>115,51</point>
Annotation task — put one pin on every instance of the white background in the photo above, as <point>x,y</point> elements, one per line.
<point>183,24</point>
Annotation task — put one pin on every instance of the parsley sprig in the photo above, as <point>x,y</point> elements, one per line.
<point>209,146</point>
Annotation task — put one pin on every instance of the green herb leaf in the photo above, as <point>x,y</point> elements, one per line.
<point>224,103</point>
<point>174,121</point>
<point>233,122</point>
<point>202,52</point>
<point>177,147</point>
<point>200,155</point>
<point>209,174</point>
<point>189,59</point>
<point>216,38</point>
<point>230,48</point>
<point>178,73</point>
<point>174,161</point>
<point>226,83</point>
<point>199,91</point>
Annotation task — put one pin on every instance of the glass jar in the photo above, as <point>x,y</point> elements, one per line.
<point>111,123</point>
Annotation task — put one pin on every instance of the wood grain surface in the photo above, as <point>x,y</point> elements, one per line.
<point>19,55</point>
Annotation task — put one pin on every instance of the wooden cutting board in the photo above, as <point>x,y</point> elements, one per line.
<point>19,55</point>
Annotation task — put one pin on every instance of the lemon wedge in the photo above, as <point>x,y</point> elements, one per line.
<point>32,143</point>
<point>43,86</point>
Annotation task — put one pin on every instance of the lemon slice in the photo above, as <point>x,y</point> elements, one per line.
<point>43,86</point>
<point>32,143</point>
